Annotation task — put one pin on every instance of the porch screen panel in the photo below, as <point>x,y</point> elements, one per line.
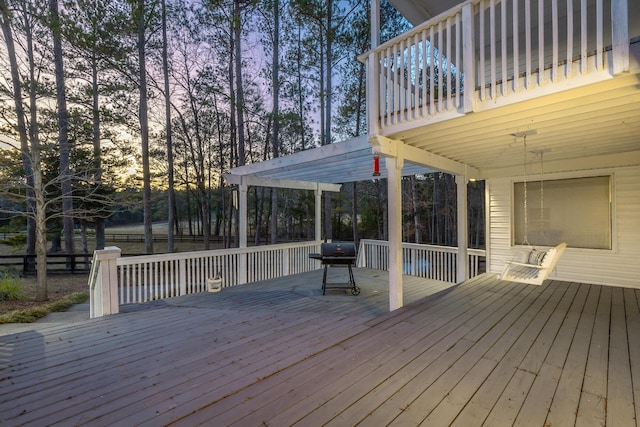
<point>576,211</point>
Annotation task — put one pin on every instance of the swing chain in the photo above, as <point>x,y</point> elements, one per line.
<point>526,216</point>
<point>541,189</point>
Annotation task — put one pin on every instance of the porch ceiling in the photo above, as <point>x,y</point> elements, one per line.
<point>417,12</point>
<point>593,126</point>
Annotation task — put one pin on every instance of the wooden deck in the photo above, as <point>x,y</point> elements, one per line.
<point>277,353</point>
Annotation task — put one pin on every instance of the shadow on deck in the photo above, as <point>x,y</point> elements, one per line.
<point>484,352</point>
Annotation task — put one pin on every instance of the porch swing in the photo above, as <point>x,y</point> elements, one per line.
<point>532,266</point>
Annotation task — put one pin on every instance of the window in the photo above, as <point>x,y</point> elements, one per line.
<point>576,211</point>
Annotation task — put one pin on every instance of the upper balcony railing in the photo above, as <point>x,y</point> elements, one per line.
<point>483,50</point>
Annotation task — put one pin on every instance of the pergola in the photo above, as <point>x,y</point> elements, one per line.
<point>326,168</point>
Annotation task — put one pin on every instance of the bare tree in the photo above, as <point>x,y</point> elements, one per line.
<point>5,15</point>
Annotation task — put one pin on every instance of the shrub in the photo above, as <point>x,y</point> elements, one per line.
<point>10,289</point>
<point>15,240</point>
<point>34,313</point>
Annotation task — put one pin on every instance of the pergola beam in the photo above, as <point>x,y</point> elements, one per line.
<point>256,181</point>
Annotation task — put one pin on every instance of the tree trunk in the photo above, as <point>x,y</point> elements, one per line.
<point>329,71</point>
<point>144,128</point>
<point>63,130</point>
<point>301,99</point>
<point>41,230</point>
<point>276,113</point>
<point>354,213</point>
<point>97,151</point>
<point>167,111</point>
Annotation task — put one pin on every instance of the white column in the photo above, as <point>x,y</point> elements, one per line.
<point>318,222</point>
<point>242,214</point>
<point>242,238</point>
<point>394,167</point>
<point>463,229</point>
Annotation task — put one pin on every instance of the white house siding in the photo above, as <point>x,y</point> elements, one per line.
<point>618,267</point>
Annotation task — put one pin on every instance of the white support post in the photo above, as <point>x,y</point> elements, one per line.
<point>242,238</point>
<point>463,229</point>
<point>620,35</point>
<point>394,167</point>
<point>318,214</point>
<point>103,285</point>
<point>242,214</point>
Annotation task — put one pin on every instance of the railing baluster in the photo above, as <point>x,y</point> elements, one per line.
<point>541,76</point>
<point>416,76</point>
<point>402,83</point>
<point>556,42</point>
<point>583,36</point>
<point>516,46</point>
<point>527,32</point>
<point>569,66</point>
<point>493,42</point>
<point>481,67</point>
<point>441,61</point>
<point>448,41</point>
<point>504,90</point>
<point>432,74</point>
<point>458,48</point>
<point>388,89</point>
<point>599,36</point>
<point>425,103</point>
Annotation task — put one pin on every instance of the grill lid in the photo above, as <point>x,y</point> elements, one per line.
<point>345,249</point>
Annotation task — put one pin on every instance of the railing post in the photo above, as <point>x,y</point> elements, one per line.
<point>285,261</point>
<point>103,283</point>
<point>620,35</point>
<point>468,60</point>
<point>182,272</point>
<point>362,259</point>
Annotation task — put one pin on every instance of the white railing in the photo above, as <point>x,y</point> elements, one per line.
<point>115,280</point>
<point>428,261</point>
<point>482,50</point>
<point>145,278</point>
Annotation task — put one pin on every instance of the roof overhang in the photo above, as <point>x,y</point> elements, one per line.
<point>339,163</point>
<point>419,11</point>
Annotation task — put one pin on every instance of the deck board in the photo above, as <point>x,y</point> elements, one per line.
<point>620,408</point>
<point>632,312</point>
<point>486,352</point>
<point>563,410</point>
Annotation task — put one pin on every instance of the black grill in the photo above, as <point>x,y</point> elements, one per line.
<point>343,253</point>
